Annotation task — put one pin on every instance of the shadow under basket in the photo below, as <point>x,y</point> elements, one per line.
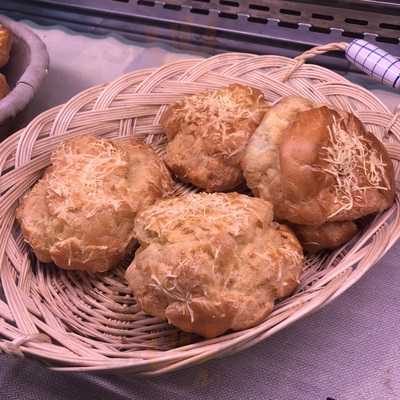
<point>80,322</point>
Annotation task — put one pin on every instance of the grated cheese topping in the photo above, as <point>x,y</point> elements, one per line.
<point>80,179</point>
<point>352,159</point>
<point>171,289</point>
<point>204,211</point>
<point>218,113</point>
<point>212,251</point>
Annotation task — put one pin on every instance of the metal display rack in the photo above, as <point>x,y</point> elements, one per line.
<point>212,26</point>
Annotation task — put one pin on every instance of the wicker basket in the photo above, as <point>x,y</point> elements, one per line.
<point>80,322</point>
<point>28,66</point>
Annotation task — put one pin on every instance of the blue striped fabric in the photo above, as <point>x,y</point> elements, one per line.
<point>375,62</point>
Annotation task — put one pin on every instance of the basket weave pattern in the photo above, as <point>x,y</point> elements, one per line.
<point>77,321</point>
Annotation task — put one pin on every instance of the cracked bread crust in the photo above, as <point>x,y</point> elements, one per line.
<point>81,214</point>
<point>209,263</point>
<point>317,165</point>
<point>207,135</point>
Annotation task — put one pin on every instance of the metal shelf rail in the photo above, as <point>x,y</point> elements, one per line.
<point>212,26</point>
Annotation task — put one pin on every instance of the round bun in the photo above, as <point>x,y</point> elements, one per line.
<point>332,170</point>
<point>260,162</point>
<point>80,215</point>
<point>327,236</point>
<point>5,45</point>
<point>207,134</point>
<point>317,165</point>
<point>209,263</point>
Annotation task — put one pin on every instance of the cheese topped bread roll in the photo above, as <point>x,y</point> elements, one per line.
<point>207,134</point>
<point>81,214</point>
<point>209,263</point>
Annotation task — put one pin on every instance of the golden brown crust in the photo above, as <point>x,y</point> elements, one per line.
<point>33,216</point>
<point>260,163</point>
<point>4,88</point>
<point>80,215</point>
<point>207,135</point>
<point>332,170</point>
<point>317,165</point>
<point>5,45</point>
<point>327,236</point>
<point>212,262</point>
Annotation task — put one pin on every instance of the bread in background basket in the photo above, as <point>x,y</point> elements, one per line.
<point>24,63</point>
<point>5,48</point>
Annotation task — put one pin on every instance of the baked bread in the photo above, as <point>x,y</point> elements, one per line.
<point>327,236</point>
<point>5,48</point>
<point>81,214</point>
<point>260,162</point>
<point>332,170</point>
<point>317,165</point>
<point>209,263</point>
<point>5,45</point>
<point>4,88</point>
<point>207,134</point>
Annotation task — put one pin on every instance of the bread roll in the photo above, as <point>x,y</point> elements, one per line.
<point>317,165</point>
<point>327,236</point>
<point>5,45</point>
<point>332,169</point>
<point>207,135</point>
<point>260,162</point>
<point>81,214</point>
<point>4,88</point>
<point>209,263</point>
